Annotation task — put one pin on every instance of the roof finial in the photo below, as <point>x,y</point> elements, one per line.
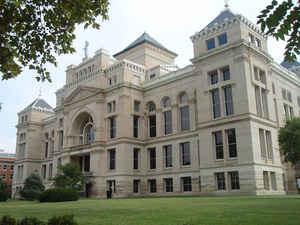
<point>226,4</point>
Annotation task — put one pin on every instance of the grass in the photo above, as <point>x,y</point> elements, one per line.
<point>248,210</point>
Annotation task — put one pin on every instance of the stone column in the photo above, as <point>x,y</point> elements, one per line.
<point>175,122</point>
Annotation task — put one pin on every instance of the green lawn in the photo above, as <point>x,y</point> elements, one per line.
<point>251,210</point>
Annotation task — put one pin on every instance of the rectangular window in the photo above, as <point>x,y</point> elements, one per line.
<point>186,184</point>
<point>226,73</point>
<point>256,74</point>
<point>152,126</point>
<point>112,127</point>
<point>61,138</point>
<point>185,118</point>
<point>228,100</point>
<point>269,144</point>
<point>234,180</point>
<point>112,159</point>
<point>46,149</point>
<point>258,42</point>
<point>289,96</point>
<point>210,44</point>
<point>152,185</point>
<point>168,122</point>
<point>220,180</point>
<point>44,171</point>
<point>152,158</point>
<point>109,107</point>
<point>231,140</point>
<point>258,101</point>
<point>219,144</point>
<point>137,105</point>
<point>265,103</point>
<point>213,77</point>
<point>136,153</point>
<point>283,91</point>
<point>87,163</point>
<point>136,126</point>
<point>262,76</point>
<point>168,184</point>
<point>111,185</point>
<point>266,180</point>
<point>273,181</point>
<point>185,153</point>
<point>262,143</point>
<point>136,186</point>
<point>50,170</point>
<point>216,103</point>
<point>222,39</point>
<point>251,38</point>
<point>168,155</point>
<point>286,111</point>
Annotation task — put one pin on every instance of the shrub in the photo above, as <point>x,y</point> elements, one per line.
<point>30,221</point>
<point>59,195</point>
<point>4,193</point>
<point>62,220</point>
<point>33,187</point>
<point>8,220</point>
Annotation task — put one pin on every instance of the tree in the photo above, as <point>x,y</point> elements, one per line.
<point>289,141</point>
<point>283,21</point>
<point>4,193</point>
<point>33,187</point>
<point>69,176</point>
<point>33,32</point>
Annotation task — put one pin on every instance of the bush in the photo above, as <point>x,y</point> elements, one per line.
<point>30,221</point>
<point>8,220</point>
<point>4,193</point>
<point>59,195</point>
<point>62,220</point>
<point>33,187</point>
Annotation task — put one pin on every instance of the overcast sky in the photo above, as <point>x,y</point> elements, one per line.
<point>171,22</point>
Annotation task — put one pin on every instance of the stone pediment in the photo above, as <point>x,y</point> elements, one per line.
<point>80,93</point>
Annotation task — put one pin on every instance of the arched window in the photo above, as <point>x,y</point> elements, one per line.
<point>166,102</point>
<point>167,113</point>
<point>152,119</point>
<point>87,131</point>
<point>184,112</point>
<point>151,107</point>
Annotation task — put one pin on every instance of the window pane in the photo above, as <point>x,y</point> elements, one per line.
<point>216,103</point>
<point>152,158</point>
<point>185,118</point>
<point>136,158</point>
<point>168,122</point>
<point>152,126</point>
<point>219,145</point>
<point>135,126</point>
<point>112,159</point>
<point>136,184</point>
<point>228,101</point>
<point>231,143</point>
<point>168,155</point>
<point>222,39</point>
<point>185,153</point>
<point>210,44</point>
<point>234,180</point>
<point>213,77</point>
<point>187,184</point>
<point>169,185</point>
<point>226,73</point>
<point>220,178</point>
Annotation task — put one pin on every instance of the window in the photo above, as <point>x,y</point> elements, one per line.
<point>112,159</point>
<point>231,140</point>
<point>265,103</point>
<point>185,118</point>
<point>266,180</point>
<point>251,38</point>
<point>262,76</point>
<point>112,127</point>
<point>185,153</point>
<point>4,167</point>
<point>228,100</point>
<point>87,163</point>
<point>291,112</point>
<point>152,126</point>
<point>220,180</point>
<point>262,144</point>
<point>286,111</point>
<point>258,42</point>
<point>111,107</point>
<point>61,138</point>
<point>226,73</point>
<point>213,77</point>
<point>210,44</point>
<point>152,185</point>
<point>283,91</point>
<point>234,180</point>
<point>50,170</point>
<point>289,96</point>
<point>219,144</point>
<point>216,103</point>
<point>269,144</point>
<point>136,153</point>
<point>222,39</point>
<point>152,76</point>
<point>183,98</point>
<point>152,158</point>
<point>61,122</point>
<point>136,126</point>
<point>258,101</point>
<point>12,167</point>
<point>151,107</point>
<point>44,171</point>
<point>136,186</point>
<point>166,102</point>
<point>168,122</point>
<point>46,149</point>
<point>137,105</point>
<point>111,185</point>
<point>186,184</point>
<point>273,88</point>
<point>168,184</point>
<point>168,155</point>
<point>273,181</point>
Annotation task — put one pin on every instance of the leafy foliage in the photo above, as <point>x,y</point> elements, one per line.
<point>283,21</point>
<point>8,220</point>
<point>289,140</point>
<point>33,187</point>
<point>69,176</point>
<point>56,220</point>
<point>30,221</point>
<point>33,32</point>
<point>62,220</point>
<point>4,193</point>
<point>59,195</point>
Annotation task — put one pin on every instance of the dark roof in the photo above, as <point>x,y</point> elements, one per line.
<point>145,38</point>
<point>225,14</point>
<point>39,104</point>
<point>289,65</point>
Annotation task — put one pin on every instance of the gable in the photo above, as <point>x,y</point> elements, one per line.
<point>81,93</point>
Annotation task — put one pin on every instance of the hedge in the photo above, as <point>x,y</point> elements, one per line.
<point>59,220</point>
<point>59,195</point>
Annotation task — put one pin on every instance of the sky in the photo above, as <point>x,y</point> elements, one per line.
<point>171,22</point>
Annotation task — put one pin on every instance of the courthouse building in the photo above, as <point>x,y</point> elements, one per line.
<point>138,124</point>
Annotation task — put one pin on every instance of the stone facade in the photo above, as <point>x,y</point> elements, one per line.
<point>141,126</point>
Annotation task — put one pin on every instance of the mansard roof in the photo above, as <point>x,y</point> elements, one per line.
<point>39,104</point>
<point>225,14</point>
<point>289,65</point>
<point>145,38</point>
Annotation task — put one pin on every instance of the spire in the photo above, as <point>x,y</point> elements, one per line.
<point>226,4</point>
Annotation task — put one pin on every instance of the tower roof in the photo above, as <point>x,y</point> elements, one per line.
<point>225,14</point>
<point>39,104</point>
<point>145,38</point>
<point>289,65</point>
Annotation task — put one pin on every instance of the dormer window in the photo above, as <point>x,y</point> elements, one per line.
<point>222,39</point>
<point>210,44</point>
